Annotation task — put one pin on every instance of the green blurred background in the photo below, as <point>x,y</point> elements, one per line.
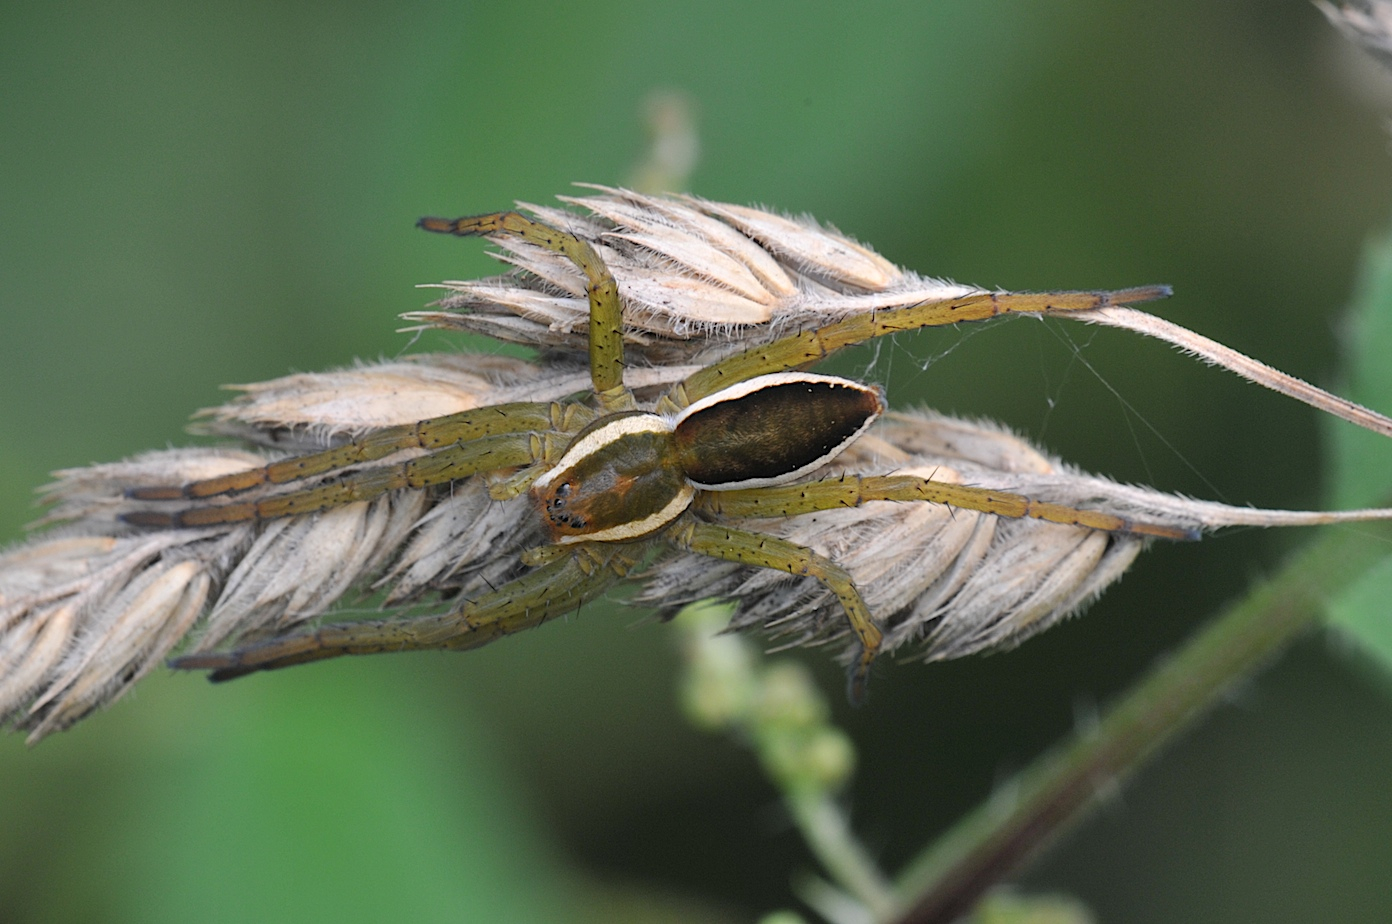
<point>196,195</point>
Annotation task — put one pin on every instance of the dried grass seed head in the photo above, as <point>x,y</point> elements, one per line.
<point>90,606</point>
<point>699,279</point>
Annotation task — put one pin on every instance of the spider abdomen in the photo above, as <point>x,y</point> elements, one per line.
<point>771,429</point>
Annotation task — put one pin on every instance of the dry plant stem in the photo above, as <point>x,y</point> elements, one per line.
<point>1215,353</point>
<point>1025,815</point>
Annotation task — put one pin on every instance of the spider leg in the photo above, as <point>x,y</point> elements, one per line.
<point>854,490</point>
<point>801,350</point>
<point>486,454</point>
<point>434,433</point>
<point>751,548</point>
<point>559,587</point>
<point>606,310</point>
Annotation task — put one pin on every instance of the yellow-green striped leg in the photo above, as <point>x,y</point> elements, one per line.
<point>606,310</point>
<point>489,453</point>
<point>559,587</point>
<point>801,350</point>
<point>853,490</point>
<point>759,550</point>
<point>435,433</point>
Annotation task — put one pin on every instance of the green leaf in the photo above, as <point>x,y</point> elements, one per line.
<point>1362,613</point>
<point>1361,462</point>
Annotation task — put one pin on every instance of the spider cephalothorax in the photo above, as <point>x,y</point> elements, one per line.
<point>741,438</point>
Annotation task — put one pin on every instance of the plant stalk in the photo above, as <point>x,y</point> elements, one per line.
<point>828,834</point>
<point>1064,785</point>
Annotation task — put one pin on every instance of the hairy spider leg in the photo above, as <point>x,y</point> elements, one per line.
<point>435,433</point>
<point>854,490</point>
<point>800,350</point>
<point>486,454</point>
<point>804,349</point>
<point>606,372</point>
<point>764,551</point>
<point>606,310</point>
<point>557,588</point>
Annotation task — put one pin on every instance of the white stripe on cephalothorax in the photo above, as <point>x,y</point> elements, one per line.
<point>636,528</point>
<point>598,438</point>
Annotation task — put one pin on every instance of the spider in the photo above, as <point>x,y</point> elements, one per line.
<point>612,482</point>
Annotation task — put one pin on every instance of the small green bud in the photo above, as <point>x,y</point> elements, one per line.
<point>718,687</point>
<point>829,758</point>
<point>803,760</point>
<point>788,697</point>
<point>1003,906</point>
<point>783,917</point>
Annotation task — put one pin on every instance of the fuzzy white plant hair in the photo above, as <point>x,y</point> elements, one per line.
<point>698,279</point>
<point>1367,23</point>
<point>91,604</point>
